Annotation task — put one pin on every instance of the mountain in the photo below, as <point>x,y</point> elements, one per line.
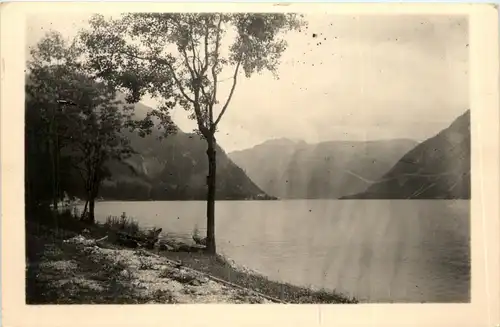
<point>295,169</point>
<point>438,168</point>
<point>174,168</point>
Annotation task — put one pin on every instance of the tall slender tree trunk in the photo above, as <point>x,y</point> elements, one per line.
<point>94,188</point>
<point>84,213</point>
<point>91,216</point>
<point>57,169</point>
<point>211,179</point>
<point>54,148</point>
<point>88,212</point>
<point>53,174</point>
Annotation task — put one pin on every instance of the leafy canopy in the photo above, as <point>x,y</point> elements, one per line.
<point>177,58</point>
<point>83,117</point>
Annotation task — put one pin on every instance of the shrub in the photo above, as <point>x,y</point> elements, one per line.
<point>196,232</point>
<point>122,223</point>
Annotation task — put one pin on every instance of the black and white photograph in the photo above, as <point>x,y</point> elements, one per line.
<point>247,158</point>
<point>250,157</point>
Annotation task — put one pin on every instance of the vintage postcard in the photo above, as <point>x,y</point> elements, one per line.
<point>172,158</point>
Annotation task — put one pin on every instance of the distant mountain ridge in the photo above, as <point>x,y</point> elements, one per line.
<point>296,169</point>
<point>438,168</point>
<point>174,168</point>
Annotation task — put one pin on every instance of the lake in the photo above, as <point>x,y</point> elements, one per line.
<point>376,250</point>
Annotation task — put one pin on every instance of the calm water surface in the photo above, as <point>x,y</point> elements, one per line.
<point>376,250</point>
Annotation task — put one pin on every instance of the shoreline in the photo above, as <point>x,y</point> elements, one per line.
<point>72,250</point>
<point>345,198</point>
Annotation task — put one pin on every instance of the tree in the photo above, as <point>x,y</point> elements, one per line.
<point>48,78</point>
<point>178,58</point>
<point>99,137</point>
<point>82,117</point>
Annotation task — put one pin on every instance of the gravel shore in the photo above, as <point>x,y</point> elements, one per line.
<point>81,268</point>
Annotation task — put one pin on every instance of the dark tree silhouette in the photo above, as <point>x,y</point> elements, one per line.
<point>78,117</point>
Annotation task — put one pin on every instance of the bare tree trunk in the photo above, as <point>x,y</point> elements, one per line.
<point>94,189</point>
<point>57,168</point>
<point>91,217</point>
<point>88,212</point>
<point>54,210</point>
<point>53,174</point>
<point>211,179</point>
<point>54,157</point>
<point>85,209</point>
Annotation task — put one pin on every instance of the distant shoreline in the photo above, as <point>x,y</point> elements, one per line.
<point>282,200</point>
<point>186,200</point>
<point>344,198</point>
<point>365,196</point>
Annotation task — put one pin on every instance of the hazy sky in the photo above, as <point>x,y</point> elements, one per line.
<point>372,77</point>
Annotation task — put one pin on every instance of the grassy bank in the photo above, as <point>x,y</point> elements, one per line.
<point>101,279</point>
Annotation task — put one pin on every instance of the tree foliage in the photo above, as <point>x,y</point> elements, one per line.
<point>178,58</point>
<point>79,119</point>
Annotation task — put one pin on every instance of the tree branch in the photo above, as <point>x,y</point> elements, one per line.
<point>186,60</point>
<point>172,70</point>
<point>79,170</point>
<point>214,74</point>
<point>195,56</point>
<point>203,69</point>
<point>195,102</point>
<point>196,84</point>
<point>207,31</point>
<point>179,84</point>
<point>235,79</point>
